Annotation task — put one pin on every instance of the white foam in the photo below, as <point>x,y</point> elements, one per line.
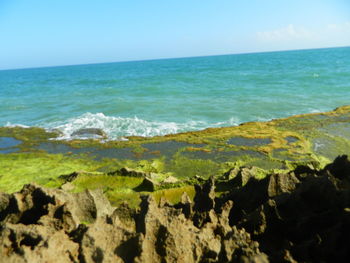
<point>13,125</point>
<point>117,128</point>
<point>315,111</point>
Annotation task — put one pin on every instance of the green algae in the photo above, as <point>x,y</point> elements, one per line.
<point>19,169</point>
<point>173,195</point>
<point>117,188</point>
<point>274,145</point>
<point>121,189</point>
<point>185,168</point>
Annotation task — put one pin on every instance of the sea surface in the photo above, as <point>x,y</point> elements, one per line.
<point>159,97</point>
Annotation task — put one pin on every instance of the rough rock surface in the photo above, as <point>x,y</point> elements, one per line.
<point>302,215</point>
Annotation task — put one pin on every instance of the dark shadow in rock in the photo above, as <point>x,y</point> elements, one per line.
<point>97,256</point>
<point>147,185</point>
<point>30,241</point>
<point>39,209</point>
<point>129,249</point>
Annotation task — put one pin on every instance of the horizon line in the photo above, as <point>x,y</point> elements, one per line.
<point>169,58</point>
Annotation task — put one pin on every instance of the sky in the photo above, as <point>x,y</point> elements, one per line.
<point>40,33</point>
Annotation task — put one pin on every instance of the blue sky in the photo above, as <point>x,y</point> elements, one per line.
<point>39,33</point>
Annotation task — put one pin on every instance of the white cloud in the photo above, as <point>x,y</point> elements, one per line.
<point>288,33</point>
<point>292,36</point>
<point>339,28</point>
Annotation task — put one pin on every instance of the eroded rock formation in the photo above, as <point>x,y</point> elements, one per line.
<point>303,215</point>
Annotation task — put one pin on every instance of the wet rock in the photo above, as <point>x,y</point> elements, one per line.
<point>90,133</point>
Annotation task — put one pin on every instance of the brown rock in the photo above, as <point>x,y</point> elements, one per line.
<point>281,183</point>
<point>287,218</point>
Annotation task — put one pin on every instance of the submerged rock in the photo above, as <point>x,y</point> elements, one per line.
<point>90,133</point>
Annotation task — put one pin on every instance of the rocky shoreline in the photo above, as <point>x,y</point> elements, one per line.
<point>257,192</point>
<point>166,166</point>
<point>301,215</point>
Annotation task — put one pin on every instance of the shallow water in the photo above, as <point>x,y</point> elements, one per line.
<point>8,144</point>
<point>252,142</point>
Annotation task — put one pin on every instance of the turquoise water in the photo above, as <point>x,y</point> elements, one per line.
<point>167,96</point>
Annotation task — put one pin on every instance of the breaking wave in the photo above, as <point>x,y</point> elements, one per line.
<point>117,128</point>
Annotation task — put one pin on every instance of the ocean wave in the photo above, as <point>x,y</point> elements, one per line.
<point>14,125</point>
<point>117,128</point>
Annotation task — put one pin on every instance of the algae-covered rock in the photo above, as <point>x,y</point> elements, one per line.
<point>312,139</point>
<point>170,180</point>
<point>126,171</point>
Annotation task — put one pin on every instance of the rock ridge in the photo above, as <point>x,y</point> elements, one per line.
<point>299,216</point>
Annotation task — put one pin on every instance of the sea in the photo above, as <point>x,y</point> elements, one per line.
<point>158,97</point>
